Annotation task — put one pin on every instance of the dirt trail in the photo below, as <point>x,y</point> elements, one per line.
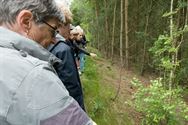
<point>115,77</point>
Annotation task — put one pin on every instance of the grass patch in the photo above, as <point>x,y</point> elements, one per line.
<point>98,95</point>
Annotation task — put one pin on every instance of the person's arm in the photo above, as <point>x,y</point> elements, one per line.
<point>84,51</point>
<point>87,53</point>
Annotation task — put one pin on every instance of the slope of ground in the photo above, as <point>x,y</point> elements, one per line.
<point>108,92</point>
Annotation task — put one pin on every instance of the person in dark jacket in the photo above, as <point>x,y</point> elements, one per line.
<point>67,69</point>
<point>80,52</point>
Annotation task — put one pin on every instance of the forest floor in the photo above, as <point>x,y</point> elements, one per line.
<point>111,75</point>
<point>121,80</point>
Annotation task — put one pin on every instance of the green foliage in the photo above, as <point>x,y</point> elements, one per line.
<point>182,4</point>
<point>97,95</point>
<point>146,21</point>
<point>182,75</point>
<point>162,51</point>
<point>158,105</point>
<point>82,11</point>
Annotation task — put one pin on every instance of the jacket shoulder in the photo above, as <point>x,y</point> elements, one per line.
<point>15,67</point>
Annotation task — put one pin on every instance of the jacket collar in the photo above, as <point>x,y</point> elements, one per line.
<point>13,40</point>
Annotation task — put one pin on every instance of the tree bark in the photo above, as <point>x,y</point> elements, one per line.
<point>145,33</point>
<point>106,29</point>
<point>172,38</point>
<point>97,21</point>
<point>126,35</point>
<point>113,32</point>
<point>121,35</point>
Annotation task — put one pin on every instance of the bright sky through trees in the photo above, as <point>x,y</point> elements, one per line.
<point>66,2</point>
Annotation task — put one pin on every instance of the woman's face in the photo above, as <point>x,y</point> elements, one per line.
<point>79,36</point>
<point>44,33</point>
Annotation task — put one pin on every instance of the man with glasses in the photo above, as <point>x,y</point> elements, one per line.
<point>30,91</point>
<point>67,69</point>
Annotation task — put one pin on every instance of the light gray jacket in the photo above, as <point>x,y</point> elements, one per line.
<point>30,91</point>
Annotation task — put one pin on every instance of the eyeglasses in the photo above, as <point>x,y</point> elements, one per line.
<point>55,31</point>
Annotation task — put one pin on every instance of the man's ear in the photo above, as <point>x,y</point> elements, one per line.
<point>24,20</point>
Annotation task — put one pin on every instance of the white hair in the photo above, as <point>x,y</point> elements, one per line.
<point>79,29</point>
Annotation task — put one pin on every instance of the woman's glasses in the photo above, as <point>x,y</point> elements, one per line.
<point>54,32</point>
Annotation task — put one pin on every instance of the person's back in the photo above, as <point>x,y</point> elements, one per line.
<point>63,49</point>
<point>67,70</point>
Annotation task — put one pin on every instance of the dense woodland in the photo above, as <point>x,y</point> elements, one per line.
<point>131,32</point>
<point>149,37</point>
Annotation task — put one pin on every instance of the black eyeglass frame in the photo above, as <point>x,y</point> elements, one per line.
<point>54,29</point>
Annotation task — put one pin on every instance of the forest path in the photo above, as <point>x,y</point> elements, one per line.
<point>120,79</point>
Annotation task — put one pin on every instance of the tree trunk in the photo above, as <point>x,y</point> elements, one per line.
<point>97,21</point>
<point>126,35</point>
<point>106,29</point>
<point>113,32</point>
<point>186,17</point>
<point>145,33</point>
<point>121,35</point>
<point>137,21</point>
<point>172,38</point>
